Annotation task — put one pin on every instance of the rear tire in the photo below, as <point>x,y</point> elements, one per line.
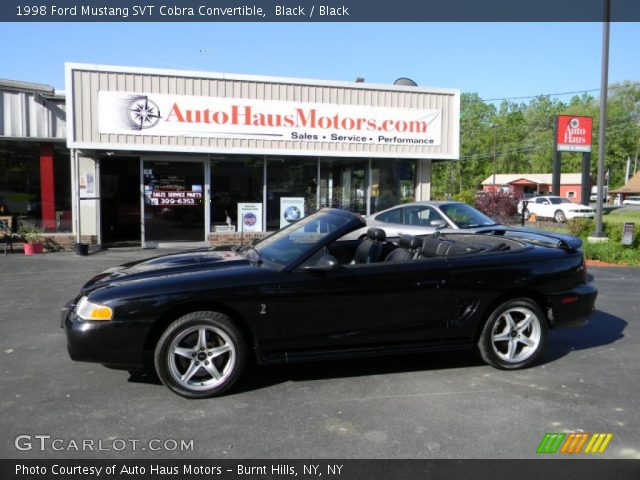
<point>201,354</point>
<point>514,336</point>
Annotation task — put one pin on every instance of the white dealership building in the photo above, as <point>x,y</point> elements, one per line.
<point>160,157</point>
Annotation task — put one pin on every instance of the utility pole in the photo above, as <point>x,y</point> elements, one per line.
<point>495,134</point>
<point>604,82</point>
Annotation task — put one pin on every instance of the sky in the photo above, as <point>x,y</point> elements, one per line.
<point>496,60</point>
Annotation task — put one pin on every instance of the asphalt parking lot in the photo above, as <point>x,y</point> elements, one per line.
<point>429,406</point>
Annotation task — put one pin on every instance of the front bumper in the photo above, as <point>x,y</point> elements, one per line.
<point>571,215</point>
<point>114,343</point>
<point>573,306</point>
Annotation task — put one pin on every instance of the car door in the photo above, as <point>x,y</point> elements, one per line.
<point>411,220</point>
<point>541,207</point>
<point>365,305</point>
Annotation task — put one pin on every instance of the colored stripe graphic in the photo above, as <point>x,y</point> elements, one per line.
<point>574,442</point>
<point>598,443</point>
<point>551,442</point>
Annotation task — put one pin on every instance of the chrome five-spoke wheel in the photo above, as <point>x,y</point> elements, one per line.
<point>200,355</point>
<point>515,334</point>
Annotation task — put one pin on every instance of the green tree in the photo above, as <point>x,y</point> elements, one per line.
<point>524,138</point>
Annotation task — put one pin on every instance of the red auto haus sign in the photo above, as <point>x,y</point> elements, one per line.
<point>574,133</point>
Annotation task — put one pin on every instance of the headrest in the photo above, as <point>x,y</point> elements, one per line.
<point>410,242</point>
<point>430,246</point>
<point>376,234</point>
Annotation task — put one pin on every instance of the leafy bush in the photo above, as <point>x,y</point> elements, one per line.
<point>498,205</point>
<point>612,252</point>
<point>466,196</point>
<point>581,227</point>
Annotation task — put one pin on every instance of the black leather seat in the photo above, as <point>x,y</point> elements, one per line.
<point>435,247</point>
<point>371,249</point>
<point>408,246</point>
<point>429,247</point>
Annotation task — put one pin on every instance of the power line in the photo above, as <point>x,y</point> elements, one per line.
<point>558,94</point>
<point>529,148</point>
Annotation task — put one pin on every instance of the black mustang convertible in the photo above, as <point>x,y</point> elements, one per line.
<point>198,317</point>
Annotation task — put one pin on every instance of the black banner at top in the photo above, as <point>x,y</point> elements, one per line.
<point>317,10</point>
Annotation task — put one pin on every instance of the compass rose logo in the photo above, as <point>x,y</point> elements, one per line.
<point>143,113</point>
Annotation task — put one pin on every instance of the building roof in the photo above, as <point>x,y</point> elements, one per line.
<point>46,91</point>
<point>632,186</point>
<point>537,178</point>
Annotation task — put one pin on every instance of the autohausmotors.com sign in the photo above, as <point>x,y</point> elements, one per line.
<point>181,115</point>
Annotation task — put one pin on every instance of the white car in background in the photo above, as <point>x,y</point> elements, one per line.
<point>559,208</point>
<point>633,200</point>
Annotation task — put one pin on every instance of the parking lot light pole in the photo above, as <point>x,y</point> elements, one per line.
<point>495,134</point>
<point>603,117</point>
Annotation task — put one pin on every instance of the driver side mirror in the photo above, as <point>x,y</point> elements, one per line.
<point>438,224</point>
<point>325,263</point>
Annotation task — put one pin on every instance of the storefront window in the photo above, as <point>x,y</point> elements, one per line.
<point>35,184</point>
<point>234,180</point>
<point>392,182</point>
<point>290,177</point>
<point>343,184</point>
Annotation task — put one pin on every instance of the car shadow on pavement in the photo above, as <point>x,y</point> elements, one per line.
<point>260,377</point>
<point>602,329</point>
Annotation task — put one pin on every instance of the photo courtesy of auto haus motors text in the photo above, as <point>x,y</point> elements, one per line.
<point>253,470</point>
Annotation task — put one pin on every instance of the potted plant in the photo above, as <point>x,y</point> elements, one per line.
<point>33,239</point>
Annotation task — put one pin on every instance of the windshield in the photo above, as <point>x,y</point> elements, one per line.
<point>557,200</point>
<point>299,238</point>
<point>465,216</point>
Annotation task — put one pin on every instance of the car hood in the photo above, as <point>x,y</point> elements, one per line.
<point>165,265</point>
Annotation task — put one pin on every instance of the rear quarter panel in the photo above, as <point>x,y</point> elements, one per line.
<point>481,282</point>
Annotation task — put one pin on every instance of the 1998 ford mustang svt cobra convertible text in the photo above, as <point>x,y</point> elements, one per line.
<point>199,317</point>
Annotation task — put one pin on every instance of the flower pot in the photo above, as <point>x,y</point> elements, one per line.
<point>33,248</point>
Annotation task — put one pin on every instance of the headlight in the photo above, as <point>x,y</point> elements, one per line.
<point>93,311</point>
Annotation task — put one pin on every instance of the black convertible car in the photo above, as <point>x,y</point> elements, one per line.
<point>198,317</point>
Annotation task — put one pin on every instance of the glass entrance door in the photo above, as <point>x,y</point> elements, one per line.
<point>173,202</point>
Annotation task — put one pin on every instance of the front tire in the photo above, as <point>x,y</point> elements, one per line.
<point>559,216</point>
<point>514,336</point>
<point>201,354</point>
